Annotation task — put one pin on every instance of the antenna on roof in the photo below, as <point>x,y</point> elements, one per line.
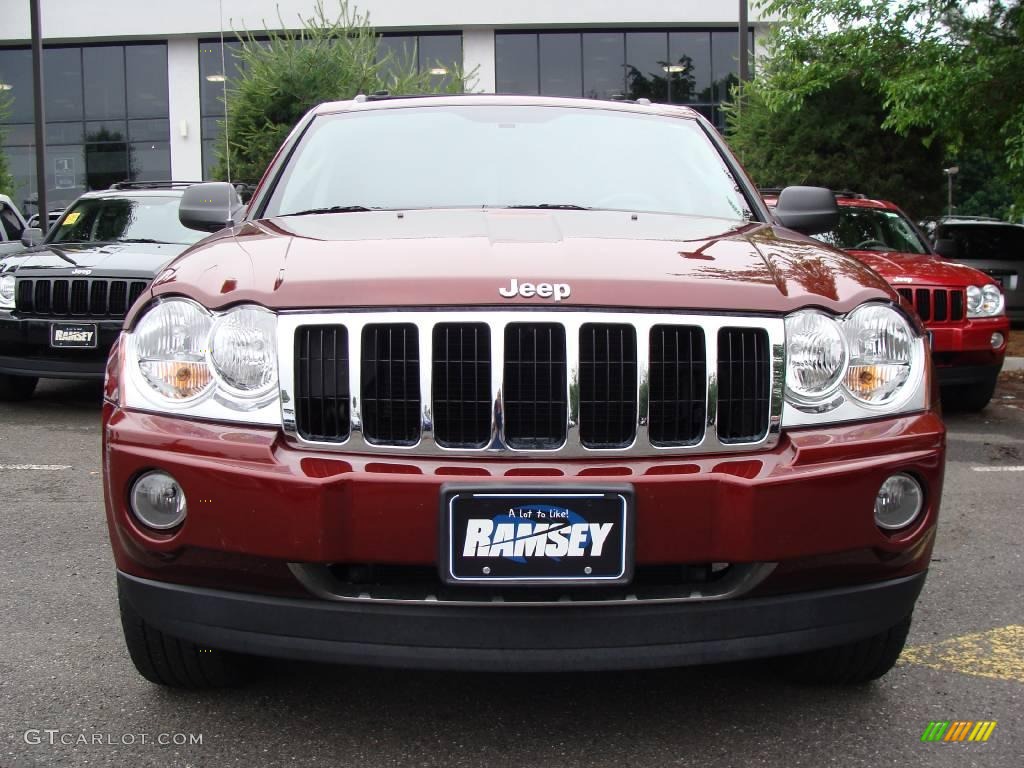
<point>224,83</point>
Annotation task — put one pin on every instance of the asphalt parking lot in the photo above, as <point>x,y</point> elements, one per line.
<point>69,695</point>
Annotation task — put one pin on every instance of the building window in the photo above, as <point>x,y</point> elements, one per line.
<point>692,67</point>
<point>439,53</point>
<point>106,118</point>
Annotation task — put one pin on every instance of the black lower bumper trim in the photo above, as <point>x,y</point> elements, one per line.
<point>507,638</point>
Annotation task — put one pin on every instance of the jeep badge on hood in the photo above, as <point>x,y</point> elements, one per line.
<point>556,291</point>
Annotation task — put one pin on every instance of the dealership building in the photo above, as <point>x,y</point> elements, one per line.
<point>134,90</point>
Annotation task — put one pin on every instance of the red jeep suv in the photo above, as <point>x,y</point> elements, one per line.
<point>467,386</point>
<point>963,309</point>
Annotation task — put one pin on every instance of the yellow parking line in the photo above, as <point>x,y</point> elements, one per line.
<point>996,653</point>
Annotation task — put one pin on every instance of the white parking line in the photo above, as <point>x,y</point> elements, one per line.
<point>998,469</point>
<point>44,467</point>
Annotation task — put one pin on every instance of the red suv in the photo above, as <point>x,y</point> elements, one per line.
<point>963,308</point>
<point>468,387</point>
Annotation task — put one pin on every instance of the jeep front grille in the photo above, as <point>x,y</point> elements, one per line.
<point>936,305</point>
<point>391,384</point>
<point>462,384</point>
<point>321,370</point>
<point>531,383</point>
<point>94,298</point>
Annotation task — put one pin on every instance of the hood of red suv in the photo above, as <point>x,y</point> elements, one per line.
<point>462,257</point>
<point>921,269</point>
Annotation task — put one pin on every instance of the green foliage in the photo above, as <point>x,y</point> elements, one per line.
<point>6,179</point>
<point>834,138</point>
<point>946,70</point>
<point>282,77</point>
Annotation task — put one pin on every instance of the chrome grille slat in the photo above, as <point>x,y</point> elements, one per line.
<point>561,427</point>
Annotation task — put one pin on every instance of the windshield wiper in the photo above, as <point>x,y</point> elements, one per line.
<point>555,206</point>
<point>333,209</point>
<point>140,240</point>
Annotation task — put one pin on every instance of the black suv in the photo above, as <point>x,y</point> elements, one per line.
<point>989,245</point>
<point>63,301</point>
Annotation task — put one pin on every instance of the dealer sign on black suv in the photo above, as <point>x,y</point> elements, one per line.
<point>63,301</point>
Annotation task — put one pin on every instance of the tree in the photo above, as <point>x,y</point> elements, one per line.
<point>834,138</point>
<point>284,74</point>
<point>6,179</point>
<point>947,69</point>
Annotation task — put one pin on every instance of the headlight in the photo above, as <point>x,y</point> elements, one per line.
<point>816,356</point>
<point>987,301</point>
<point>876,365</point>
<point>223,366</point>
<point>7,292</point>
<point>881,353</point>
<point>243,350</point>
<point>170,345</point>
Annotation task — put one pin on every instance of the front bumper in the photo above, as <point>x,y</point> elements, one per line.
<point>259,507</point>
<point>25,349</point>
<point>545,638</point>
<point>963,354</point>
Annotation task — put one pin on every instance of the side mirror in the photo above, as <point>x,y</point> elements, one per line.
<point>210,207</point>
<point>808,210</point>
<point>31,236</point>
<point>946,246</point>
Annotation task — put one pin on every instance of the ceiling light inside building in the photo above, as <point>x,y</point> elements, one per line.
<point>218,78</point>
<point>439,70</point>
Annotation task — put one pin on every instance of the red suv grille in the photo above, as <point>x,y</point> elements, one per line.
<point>936,305</point>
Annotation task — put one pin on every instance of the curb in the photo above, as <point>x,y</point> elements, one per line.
<point>1013,364</point>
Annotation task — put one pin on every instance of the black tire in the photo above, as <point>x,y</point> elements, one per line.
<point>969,398</point>
<point>853,663</point>
<point>175,663</point>
<point>13,388</point>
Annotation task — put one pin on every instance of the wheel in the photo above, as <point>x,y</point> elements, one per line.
<point>17,387</point>
<point>853,663</point>
<point>175,663</point>
<point>969,397</point>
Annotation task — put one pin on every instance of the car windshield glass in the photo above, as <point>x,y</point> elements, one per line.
<point>982,242</point>
<point>149,219</point>
<point>873,229</point>
<point>508,156</point>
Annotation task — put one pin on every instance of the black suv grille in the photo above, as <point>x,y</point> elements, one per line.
<point>96,297</point>
<point>535,390</point>
<point>744,384</point>
<point>391,384</point>
<point>322,399</point>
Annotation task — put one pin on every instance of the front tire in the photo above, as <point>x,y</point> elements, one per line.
<point>969,398</point>
<point>854,663</point>
<point>174,663</point>
<point>16,388</point>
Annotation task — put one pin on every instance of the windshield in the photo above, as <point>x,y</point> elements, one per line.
<point>124,219</point>
<point>487,156</point>
<point>873,229</point>
<point>993,243</point>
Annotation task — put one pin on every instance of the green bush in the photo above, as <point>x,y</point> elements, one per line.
<point>288,73</point>
<point>6,180</point>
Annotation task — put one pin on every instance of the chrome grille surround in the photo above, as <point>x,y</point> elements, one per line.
<point>497,319</point>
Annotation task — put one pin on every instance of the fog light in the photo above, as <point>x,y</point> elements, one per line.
<point>898,503</point>
<point>997,340</point>
<point>158,501</point>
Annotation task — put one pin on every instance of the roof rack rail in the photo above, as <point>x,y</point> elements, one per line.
<point>848,193</point>
<point>167,184</point>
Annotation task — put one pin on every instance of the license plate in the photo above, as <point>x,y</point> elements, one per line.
<point>536,536</point>
<point>73,335</point>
